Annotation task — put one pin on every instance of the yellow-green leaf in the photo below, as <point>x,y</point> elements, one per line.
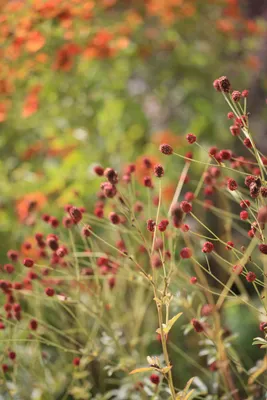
<point>171,322</point>
<point>165,370</point>
<point>138,370</point>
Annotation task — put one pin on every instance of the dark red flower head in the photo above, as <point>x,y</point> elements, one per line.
<point>99,170</point>
<point>75,214</point>
<point>166,149</point>
<point>186,207</point>
<point>186,253</point>
<point>154,379</point>
<point>111,175</point>
<point>207,247</point>
<point>222,84</point>
<point>158,171</point>
<point>151,225</point>
<point>191,138</point>
<point>263,248</point>
<point>197,325</point>
<point>28,262</point>
<point>251,276</point>
<point>236,95</point>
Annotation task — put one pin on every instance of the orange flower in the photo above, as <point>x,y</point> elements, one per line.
<point>33,252</point>
<point>167,137</point>
<point>29,203</point>
<point>253,62</point>
<point>31,102</point>
<point>5,86</point>
<point>35,41</point>
<point>168,192</point>
<point>3,111</point>
<point>64,58</point>
<point>141,170</point>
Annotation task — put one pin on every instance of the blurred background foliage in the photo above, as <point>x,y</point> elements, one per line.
<point>107,81</point>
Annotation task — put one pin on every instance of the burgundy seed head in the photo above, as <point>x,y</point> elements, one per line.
<point>184,228</point>
<point>5,368</point>
<point>33,325</point>
<point>254,190</point>
<point>193,280</point>
<point>225,154</point>
<point>75,214</point>
<point>236,95</point>
<point>45,217</point>
<point>232,185</point>
<point>98,170</point>
<point>147,163</point>
<point>154,379</point>
<point>207,309</point>
<point>186,253</point>
<point>111,175</point>
<point>109,190</point>
<point>114,218</point>
<point>99,212</point>
<point>212,151</point>
<point>230,115</point>
<point>49,292</point>
<point>263,248</point>
<point>54,222</point>
<point>67,222</point>
<point>245,204</point>
<point>191,138</point>
<point>247,143</point>
<point>111,282</point>
<point>235,130</point>
<point>150,225</point>
<point>186,207</point>
<point>9,268</point>
<point>147,181</point>
<point>189,196</point>
<point>52,242</point>
<point>13,255</point>
<point>229,245</point>
<point>158,171</point>
<point>263,191</point>
<point>166,149</point>
<point>163,225</point>
<point>224,84</point>
<point>28,262</point>
<point>12,355</point>
<point>207,247</point>
<point>87,230</point>
<point>251,276</point>
<point>177,215</point>
<point>249,180</point>
<point>76,361</point>
<point>244,215</point>
<point>245,93</point>
<point>197,325</point>
<point>216,85</point>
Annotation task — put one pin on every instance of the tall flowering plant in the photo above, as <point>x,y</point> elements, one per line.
<point>85,298</point>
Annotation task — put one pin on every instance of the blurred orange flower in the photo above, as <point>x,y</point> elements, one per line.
<point>29,203</point>
<point>167,137</point>
<point>34,42</point>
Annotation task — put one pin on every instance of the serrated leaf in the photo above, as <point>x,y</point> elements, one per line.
<point>139,370</point>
